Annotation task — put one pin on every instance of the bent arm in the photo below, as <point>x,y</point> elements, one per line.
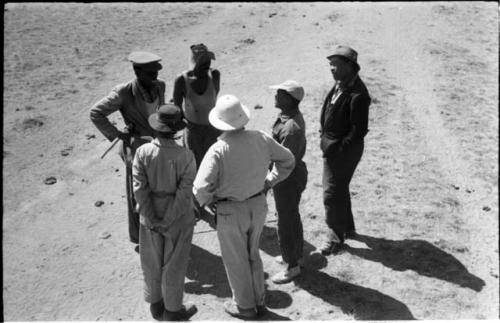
<point>179,91</point>
<point>283,160</point>
<point>142,191</point>
<point>101,110</point>
<point>206,180</point>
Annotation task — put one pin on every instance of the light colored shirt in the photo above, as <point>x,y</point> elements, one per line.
<point>163,172</point>
<point>237,166</point>
<point>198,106</point>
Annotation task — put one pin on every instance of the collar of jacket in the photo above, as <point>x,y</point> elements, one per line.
<point>138,90</point>
<point>285,116</point>
<point>347,85</point>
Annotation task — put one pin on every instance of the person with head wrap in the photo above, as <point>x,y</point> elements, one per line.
<point>195,91</point>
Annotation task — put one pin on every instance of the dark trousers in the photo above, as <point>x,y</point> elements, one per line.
<point>287,198</point>
<point>133,216</point>
<point>198,138</point>
<point>338,170</point>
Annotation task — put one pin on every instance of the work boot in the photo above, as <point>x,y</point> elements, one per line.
<point>331,248</point>
<point>234,310</point>
<point>351,234</point>
<point>157,310</point>
<point>279,260</point>
<point>286,275</point>
<point>183,314</point>
<point>261,310</point>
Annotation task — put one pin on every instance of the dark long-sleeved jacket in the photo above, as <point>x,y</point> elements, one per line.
<point>346,120</point>
<point>125,98</point>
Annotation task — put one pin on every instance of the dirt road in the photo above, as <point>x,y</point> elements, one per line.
<point>425,194</point>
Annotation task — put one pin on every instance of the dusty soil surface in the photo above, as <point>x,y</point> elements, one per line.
<point>425,195</point>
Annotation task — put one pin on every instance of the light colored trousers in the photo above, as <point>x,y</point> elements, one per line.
<point>239,227</point>
<point>164,261</point>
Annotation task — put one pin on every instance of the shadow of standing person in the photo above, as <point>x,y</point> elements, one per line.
<point>207,274</point>
<point>269,243</point>
<point>419,256</point>
<point>363,303</point>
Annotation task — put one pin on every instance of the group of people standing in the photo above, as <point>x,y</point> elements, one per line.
<point>219,167</point>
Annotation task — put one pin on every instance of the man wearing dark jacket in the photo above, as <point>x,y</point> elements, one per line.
<point>344,124</point>
<point>136,100</point>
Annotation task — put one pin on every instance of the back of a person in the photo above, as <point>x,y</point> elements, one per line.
<point>246,159</point>
<point>164,165</point>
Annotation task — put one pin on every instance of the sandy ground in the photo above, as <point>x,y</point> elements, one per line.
<point>425,194</point>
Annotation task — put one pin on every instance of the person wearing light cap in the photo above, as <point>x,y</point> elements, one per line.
<point>343,126</point>
<point>289,130</point>
<point>163,173</point>
<point>232,180</point>
<point>195,91</point>
<point>136,100</point>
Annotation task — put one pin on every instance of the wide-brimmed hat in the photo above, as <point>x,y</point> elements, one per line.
<point>292,87</point>
<point>168,118</point>
<point>145,60</point>
<point>229,113</point>
<point>346,52</point>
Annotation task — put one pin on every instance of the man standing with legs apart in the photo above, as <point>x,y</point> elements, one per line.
<point>232,180</point>
<point>289,130</point>
<point>344,124</point>
<point>163,174</point>
<point>198,88</point>
<point>136,101</point>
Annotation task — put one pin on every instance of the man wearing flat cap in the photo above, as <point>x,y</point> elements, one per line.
<point>343,126</point>
<point>136,100</point>
<point>289,130</point>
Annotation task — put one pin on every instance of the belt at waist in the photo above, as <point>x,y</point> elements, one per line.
<point>162,194</point>
<point>251,197</point>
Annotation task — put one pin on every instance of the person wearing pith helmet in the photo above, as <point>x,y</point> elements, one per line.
<point>163,173</point>
<point>136,100</point>
<point>289,130</point>
<point>343,126</point>
<point>232,180</point>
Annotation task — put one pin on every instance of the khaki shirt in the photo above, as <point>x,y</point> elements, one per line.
<point>236,166</point>
<point>163,174</point>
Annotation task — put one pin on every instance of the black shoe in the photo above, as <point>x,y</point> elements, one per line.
<point>261,310</point>
<point>234,310</point>
<point>351,234</point>
<point>136,249</point>
<point>157,310</point>
<point>183,314</point>
<point>331,248</point>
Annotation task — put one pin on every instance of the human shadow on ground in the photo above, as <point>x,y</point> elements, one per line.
<point>360,302</point>
<point>419,256</point>
<point>207,275</point>
<point>269,243</point>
